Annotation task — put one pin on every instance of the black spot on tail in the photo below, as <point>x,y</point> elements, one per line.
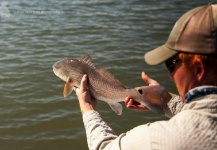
<point>140,91</point>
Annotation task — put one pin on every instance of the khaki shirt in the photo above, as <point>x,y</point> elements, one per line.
<point>192,125</point>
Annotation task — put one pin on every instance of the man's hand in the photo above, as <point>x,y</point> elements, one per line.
<point>84,98</point>
<point>131,104</point>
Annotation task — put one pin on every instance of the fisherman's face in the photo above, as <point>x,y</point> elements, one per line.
<point>183,79</point>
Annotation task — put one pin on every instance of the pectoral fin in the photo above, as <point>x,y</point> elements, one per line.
<point>68,88</point>
<point>116,107</point>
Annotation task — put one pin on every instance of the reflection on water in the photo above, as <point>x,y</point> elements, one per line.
<point>35,34</point>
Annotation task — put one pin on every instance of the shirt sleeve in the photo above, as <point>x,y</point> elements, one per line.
<point>183,131</point>
<point>101,137</point>
<point>174,106</point>
<point>97,131</point>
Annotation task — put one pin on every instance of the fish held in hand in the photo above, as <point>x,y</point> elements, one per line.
<point>104,86</point>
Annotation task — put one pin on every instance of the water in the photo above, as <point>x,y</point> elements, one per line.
<point>35,34</point>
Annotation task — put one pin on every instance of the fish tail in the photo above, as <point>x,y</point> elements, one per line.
<point>150,96</point>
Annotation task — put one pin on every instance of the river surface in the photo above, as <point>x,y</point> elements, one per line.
<point>34,115</point>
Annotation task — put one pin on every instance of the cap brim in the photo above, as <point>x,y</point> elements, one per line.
<point>159,55</point>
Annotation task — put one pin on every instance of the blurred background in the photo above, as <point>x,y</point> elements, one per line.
<point>35,34</point>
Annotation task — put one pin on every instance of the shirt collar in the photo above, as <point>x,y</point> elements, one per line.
<point>200,91</point>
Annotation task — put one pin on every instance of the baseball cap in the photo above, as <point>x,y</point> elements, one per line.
<point>195,32</point>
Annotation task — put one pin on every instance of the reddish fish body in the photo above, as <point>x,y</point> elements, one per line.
<point>103,85</point>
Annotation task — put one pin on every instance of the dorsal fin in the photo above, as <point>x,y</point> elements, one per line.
<point>110,77</point>
<point>87,60</point>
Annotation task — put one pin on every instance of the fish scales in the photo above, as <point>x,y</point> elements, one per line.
<point>103,85</point>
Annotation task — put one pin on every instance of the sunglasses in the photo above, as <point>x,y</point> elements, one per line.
<point>170,64</point>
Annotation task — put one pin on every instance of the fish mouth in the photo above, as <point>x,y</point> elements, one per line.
<point>59,72</point>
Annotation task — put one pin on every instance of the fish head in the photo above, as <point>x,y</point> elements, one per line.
<point>64,68</point>
<point>72,70</point>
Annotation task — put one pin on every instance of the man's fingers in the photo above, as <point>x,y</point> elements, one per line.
<point>148,80</point>
<point>74,88</point>
<point>84,83</point>
<point>126,100</point>
<point>130,103</point>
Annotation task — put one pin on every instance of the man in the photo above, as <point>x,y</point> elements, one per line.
<point>190,55</point>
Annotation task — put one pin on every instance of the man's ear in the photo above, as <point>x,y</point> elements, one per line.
<point>200,69</point>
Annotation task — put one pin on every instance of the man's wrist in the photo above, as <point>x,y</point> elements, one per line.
<point>85,107</point>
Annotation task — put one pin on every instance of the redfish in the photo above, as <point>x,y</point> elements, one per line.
<point>104,86</point>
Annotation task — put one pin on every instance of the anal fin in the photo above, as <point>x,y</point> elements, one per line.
<point>116,107</point>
